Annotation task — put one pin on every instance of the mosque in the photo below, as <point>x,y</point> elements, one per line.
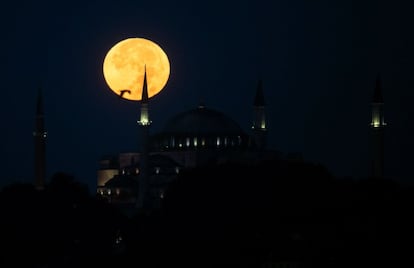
<point>193,138</point>
<point>197,137</point>
<point>200,136</point>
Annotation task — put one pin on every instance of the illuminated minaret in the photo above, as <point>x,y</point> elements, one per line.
<point>39,135</point>
<point>144,123</point>
<point>377,126</point>
<point>259,122</point>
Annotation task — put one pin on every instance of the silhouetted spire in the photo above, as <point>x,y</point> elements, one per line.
<point>144,96</point>
<point>259,98</point>
<point>259,121</point>
<point>144,118</point>
<point>144,122</point>
<point>378,92</point>
<point>377,125</point>
<point>39,106</point>
<point>39,135</point>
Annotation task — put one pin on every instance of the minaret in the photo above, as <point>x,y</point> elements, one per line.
<point>144,123</point>
<point>259,122</point>
<point>39,135</point>
<point>377,127</point>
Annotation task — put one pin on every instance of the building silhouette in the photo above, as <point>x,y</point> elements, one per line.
<point>197,137</point>
<point>377,131</point>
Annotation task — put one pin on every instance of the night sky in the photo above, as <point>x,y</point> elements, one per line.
<point>318,61</point>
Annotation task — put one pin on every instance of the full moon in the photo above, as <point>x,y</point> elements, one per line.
<point>124,66</point>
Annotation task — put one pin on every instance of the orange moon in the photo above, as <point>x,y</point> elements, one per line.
<point>124,66</point>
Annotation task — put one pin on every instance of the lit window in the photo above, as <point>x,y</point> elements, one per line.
<point>123,171</point>
<point>118,239</point>
<point>117,191</point>
<point>172,142</point>
<point>187,142</point>
<point>109,192</point>
<point>144,119</point>
<point>218,141</point>
<point>157,170</point>
<point>177,170</point>
<point>195,141</point>
<point>136,170</point>
<point>225,141</point>
<point>203,142</point>
<point>161,194</point>
<point>375,119</point>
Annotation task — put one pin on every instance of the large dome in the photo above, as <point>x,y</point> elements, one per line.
<point>202,121</point>
<point>200,128</point>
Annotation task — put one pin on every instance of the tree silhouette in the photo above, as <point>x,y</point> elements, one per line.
<point>59,226</point>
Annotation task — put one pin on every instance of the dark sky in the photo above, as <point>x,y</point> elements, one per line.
<point>318,61</point>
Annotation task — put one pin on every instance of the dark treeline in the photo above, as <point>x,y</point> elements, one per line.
<point>230,215</point>
<point>60,226</point>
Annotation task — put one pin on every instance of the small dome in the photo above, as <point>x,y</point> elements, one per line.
<point>125,181</point>
<point>201,121</point>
